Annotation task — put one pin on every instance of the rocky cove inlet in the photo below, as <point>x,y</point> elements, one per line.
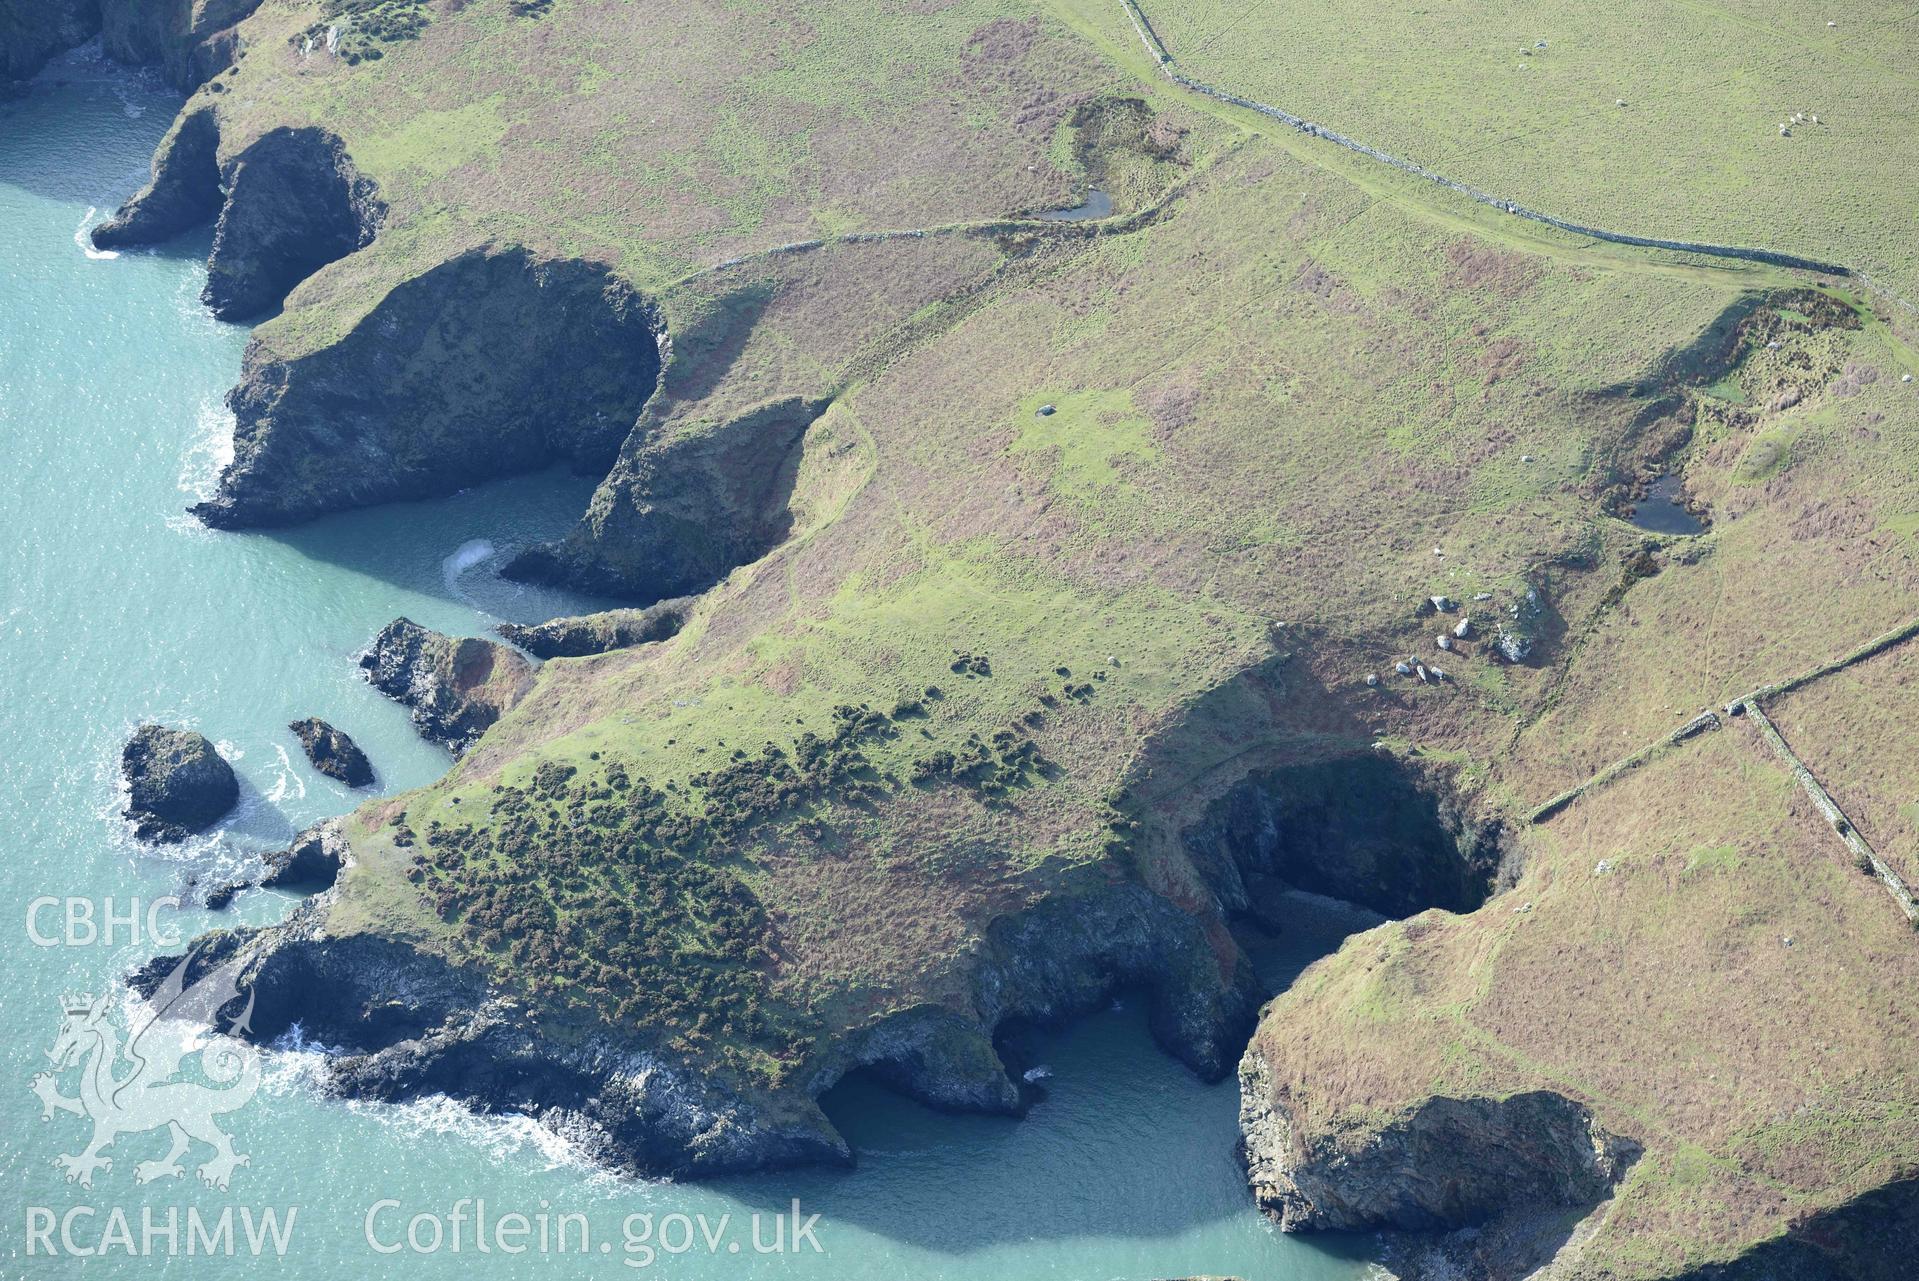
<point>118,608</point>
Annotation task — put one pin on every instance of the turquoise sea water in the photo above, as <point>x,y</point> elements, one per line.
<point>116,608</point>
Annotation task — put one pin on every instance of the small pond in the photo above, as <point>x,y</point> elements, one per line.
<point>1661,511</point>
<point>1096,205</point>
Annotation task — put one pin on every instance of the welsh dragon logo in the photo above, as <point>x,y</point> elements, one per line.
<point>139,1088</point>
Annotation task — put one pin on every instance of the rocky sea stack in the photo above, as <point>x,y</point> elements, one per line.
<point>179,784</point>
<point>332,752</point>
<point>455,687</point>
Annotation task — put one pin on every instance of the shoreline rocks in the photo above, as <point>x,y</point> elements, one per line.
<point>455,687</point>
<point>312,862</point>
<point>411,1022</point>
<point>178,784</point>
<point>183,191</point>
<point>190,42</point>
<point>600,633</point>
<point>332,752</point>
<point>293,203</point>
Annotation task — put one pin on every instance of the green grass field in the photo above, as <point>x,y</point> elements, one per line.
<point>1695,154</point>
<point>1002,655</point>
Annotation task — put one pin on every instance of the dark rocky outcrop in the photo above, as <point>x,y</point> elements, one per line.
<point>455,687</point>
<point>312,862</point>
<point>495,363</point>
<point>177,783</point>
<point>183,192</point>
<point>287,205</point>
<point>191,41</point>
<point>412,1023</point>
<point>1447,1163</point>
<point>679,512</point>
<point>32,31</point>
<point>294,203</point>
<point>1367,829</point>
<point>1062,958</point>
<point>332,752</point>
<point>601,633</point>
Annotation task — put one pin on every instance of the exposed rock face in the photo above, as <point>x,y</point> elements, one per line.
<point>312,862</point>
<point>191,41</point>
<point>492,364</point>
<point>416,1024</point>
<point>32,31</point>
<point>1059,959</point>
<point>294,203</point>
<point>1448,1163</point>
<point>455,688</point>
<point>183,192</point>
<point>179,784</point>
<point>677,514</point>
<point>1365,829</point>
<point>332,752</point>
<point>601,633</point>
<point>1519,631</point>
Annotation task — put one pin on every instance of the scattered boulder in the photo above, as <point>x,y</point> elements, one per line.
<point>1518,633</point>
<point>1443,641</point>
<point>178,783</point>
<point>332,752</point>
<point>1463,629</point>
<point>455,687</point>
<point>1444,604</point>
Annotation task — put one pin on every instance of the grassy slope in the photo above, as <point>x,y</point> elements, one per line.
<point>1729,992</point>
<point>1272,404</point>
<point>661,138</point>
<point>1694,155</point>
<point>1766,1078</point>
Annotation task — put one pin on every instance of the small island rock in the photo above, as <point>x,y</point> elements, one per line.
<point>178,783</point>
<point>332,752</point>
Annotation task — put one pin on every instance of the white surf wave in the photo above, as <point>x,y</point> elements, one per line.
<point>85,242</point>
<point>208,453</point>
<point>500,1136</point>
<point>474,551</point>
<point>288,776</point>
<point>298,1064</point>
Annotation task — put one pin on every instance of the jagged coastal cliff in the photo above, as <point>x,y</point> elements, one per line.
<point>1016,610</point>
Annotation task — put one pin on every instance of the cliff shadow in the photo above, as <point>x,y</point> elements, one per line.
<point>1109,1115</point>
<point>1112,1116</point>
<point>451,549</point>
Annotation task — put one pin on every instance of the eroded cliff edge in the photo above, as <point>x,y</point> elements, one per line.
<point>191,41</point>
<point>492,364</point>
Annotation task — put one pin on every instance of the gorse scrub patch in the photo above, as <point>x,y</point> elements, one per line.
<point>355,30</point>
<point>623,900</point>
